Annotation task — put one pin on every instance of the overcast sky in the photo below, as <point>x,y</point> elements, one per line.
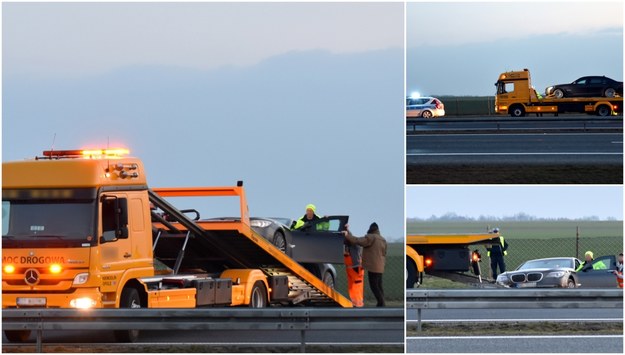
<point>499,201</point>
<point>304,102</point>
<point>90,38</point>
<point>460,48</point>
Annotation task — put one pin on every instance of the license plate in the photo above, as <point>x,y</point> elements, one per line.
<point>31,301</point>
<point>527,284</point>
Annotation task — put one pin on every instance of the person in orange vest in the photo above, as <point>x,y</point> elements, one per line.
<point>619,270</point>
<point>352,254</point>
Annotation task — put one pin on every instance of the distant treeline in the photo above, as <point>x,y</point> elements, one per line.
<point>521,216</point>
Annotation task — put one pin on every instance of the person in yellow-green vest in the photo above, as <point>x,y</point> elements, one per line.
<point>496,252</point>
<point>308,218</point>
<point>588,263</point>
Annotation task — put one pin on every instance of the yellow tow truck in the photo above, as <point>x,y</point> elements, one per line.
<point>444,255</point>
<point>82,229</point>
<point>517,97</point>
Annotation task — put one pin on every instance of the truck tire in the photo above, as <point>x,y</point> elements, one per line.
<point>258,297</point>
<point>17,336</point>
<point>279,241</point>
<point>558,93</point>
<point>129,299</point>
<point>517,111</point>
<point>604,110</point>
<point>411,278</point>
<point>426,114</point>
<point>609,92</point>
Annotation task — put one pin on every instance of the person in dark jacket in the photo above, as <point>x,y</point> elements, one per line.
<point>496,252</point>
<point>373,258</point>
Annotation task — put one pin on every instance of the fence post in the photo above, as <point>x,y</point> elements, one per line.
<point>577,242</point>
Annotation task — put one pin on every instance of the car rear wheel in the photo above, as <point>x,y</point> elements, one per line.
<point>571,283</point>
<point>426,114</point>
<point>609,92</point>
<point>558,93</point>
<point>279,241</point>
<point>328,279</point>
<point>604,111</point>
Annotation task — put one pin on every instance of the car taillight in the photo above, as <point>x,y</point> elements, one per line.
<point>438,104</point>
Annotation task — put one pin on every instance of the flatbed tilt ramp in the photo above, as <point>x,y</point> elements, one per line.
<point>184,243</point>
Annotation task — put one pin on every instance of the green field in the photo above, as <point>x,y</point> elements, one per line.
<point>393,279</point>
<point>536,239</point>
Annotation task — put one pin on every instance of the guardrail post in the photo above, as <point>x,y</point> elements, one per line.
<point>302,346</point>
<point>39,346</point>
<point>419,318</point>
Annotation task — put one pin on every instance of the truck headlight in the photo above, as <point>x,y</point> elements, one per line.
<point>556,274</point>
<point>81,278</point>
<point>82,302</point>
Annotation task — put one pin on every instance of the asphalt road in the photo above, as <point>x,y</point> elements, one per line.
<point>444,316</point>
<point>597,344</point>
<point>515,148</point>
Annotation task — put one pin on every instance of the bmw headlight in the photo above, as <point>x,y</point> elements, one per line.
<point>556,274</point>
<point>502,278</point>
<point>549,89</point>
<point>260,223</point>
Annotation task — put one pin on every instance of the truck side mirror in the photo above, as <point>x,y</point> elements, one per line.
<point>114,218</point>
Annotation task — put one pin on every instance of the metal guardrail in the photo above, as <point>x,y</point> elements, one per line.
<point>512,298</point>
<point>270,319</point>
<point>500,123</point>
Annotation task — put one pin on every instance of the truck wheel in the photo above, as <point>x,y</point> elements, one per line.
<point>517,111</point>
<point>426,114</point>
<point>412,274</point>
<point>558,93</point>
<point>609,92</point>
<point>258,298</point>
<point>604,111</point>
<point>328,279</point>
<point>129,299</point>
<point>279,241</point>
<point>17,336</point>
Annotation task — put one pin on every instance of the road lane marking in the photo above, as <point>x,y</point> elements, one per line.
<point>511,337</point>
<point>516,153</point>
<point>621,142</point>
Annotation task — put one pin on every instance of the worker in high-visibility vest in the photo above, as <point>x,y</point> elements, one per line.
<point>619,270</point>
<point>496,253</point>
<point>590,264</point>
<point>352,254</point>
<point>308,218</point>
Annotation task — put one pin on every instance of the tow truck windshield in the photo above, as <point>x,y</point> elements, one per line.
<point>53,222</point>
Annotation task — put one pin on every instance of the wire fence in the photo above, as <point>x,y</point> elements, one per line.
<point>521,250</point>
<point>393,278</point>
<point>468,105</point>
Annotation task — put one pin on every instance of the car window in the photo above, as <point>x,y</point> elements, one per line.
<point>602,263</point>
<point>419,101</point>
<point>580,82</point>
<point>577,263</point>
<point>596,81</point>
<point>328,224</point>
